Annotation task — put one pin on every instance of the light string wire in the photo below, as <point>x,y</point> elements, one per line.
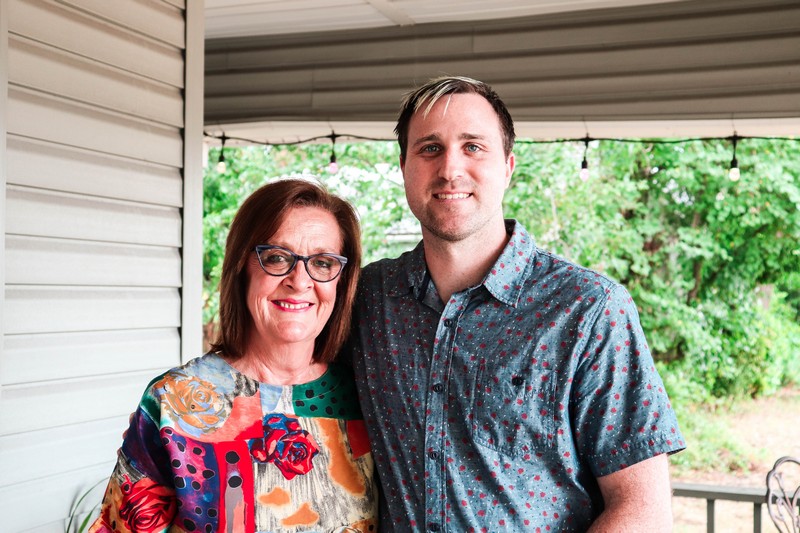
<point>584,168</point>
<point>333,136</point>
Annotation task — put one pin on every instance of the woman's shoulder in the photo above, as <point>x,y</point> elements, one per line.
<point>196,397</point>
<point>209,371</point>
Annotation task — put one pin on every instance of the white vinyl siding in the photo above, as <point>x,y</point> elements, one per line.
<point>95,228</point>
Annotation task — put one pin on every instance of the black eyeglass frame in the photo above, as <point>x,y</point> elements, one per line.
<point>304,258</point>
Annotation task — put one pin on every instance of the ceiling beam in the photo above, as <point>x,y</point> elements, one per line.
<point>698,60</point>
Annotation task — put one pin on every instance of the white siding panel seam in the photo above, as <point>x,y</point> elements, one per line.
<point>108,463</point>
<point>39,387</point>
<point>156,19</point>
<point>181,4</point>
<point>49,261</point>
<point>57,404</point>
<point>25,185</point>
<point>117,25</point>
<point>37,115</point>
<point>50,452</point>
<point>53,71</point>
<point>123,47</point>
<point>25,189</point>
<point>54,94</point>
<point>44,213</point>
<point>55,167</point>
<point>55,356</point>
<point>111,247</point>
<point>44,309</point>
<point>44,506</point>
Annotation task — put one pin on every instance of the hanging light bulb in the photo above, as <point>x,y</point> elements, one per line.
<point>733,173</point>
<point>584,173</point>
<point>333,166</point>
<point>221,165</point>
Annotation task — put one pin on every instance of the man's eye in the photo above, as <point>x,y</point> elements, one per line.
<point>473,148</point>
<point>431,148</point>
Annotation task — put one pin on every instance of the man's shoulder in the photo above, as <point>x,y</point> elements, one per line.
<point>554,270</point>
<point>388,268</point>
<point>382,265</point>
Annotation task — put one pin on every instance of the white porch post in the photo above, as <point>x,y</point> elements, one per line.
<point>192,247</point>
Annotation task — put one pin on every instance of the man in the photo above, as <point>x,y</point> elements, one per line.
<point>504,388</point>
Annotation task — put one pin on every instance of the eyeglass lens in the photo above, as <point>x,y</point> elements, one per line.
<point>279,262</point>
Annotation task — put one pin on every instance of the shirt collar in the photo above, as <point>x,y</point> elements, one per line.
<point>505,280</point>
<point>411,274</point>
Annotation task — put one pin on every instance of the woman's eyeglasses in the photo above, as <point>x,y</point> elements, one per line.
<point>278,261</point>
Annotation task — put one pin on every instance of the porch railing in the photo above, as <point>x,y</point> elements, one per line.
<point>712,493</point>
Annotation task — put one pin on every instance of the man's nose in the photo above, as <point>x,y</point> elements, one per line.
<point>452,165</point>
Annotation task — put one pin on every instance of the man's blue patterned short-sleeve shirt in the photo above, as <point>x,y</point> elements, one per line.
<point>498,410</point>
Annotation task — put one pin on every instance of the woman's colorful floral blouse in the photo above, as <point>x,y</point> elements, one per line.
<point>212,450</point>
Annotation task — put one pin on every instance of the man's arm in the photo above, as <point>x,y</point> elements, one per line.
<point>637,498</point>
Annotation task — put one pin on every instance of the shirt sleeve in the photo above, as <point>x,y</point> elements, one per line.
<point>140,496</point>
<point>621,412</point>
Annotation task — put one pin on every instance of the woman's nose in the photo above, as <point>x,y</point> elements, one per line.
<point>298,277</point>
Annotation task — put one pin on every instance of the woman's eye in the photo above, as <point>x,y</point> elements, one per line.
<point>323,263</point>
<point>277,259</point>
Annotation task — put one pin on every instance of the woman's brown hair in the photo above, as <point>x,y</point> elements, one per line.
<point>257,220</point>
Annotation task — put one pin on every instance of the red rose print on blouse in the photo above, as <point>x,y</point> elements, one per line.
<point>146,506</point>
<point>286,445</point>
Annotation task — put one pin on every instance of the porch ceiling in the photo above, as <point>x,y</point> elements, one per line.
<point>284,70</point>
<point>240,18</point>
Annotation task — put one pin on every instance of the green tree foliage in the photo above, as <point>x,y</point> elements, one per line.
<point>714,265</point>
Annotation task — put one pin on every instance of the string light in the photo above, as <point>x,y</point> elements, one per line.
<point>584,173</point>
<point>733,173</point>
<point>221,166</point>
<point>333,166</point>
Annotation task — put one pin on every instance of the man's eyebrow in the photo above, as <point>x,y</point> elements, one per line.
<point>427,138</point>
<point>435,137</point>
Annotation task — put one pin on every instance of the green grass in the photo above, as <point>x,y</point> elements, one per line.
<point>711,445</point>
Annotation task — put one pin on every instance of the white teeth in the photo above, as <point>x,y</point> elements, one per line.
<point>292,306</point>
<point>456,196</point>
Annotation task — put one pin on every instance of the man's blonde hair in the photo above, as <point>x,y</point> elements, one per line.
<point>423,99</point>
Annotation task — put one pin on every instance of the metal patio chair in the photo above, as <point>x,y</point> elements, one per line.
<point>783,494</point>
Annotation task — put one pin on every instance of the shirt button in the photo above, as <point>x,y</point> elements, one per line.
<point>517,381</point>
<point>448,323</point>
<point>433,526</point>
<point>433,455</point>
<point>438,387</point>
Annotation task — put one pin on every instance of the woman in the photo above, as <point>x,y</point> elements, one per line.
<point>264,432</point>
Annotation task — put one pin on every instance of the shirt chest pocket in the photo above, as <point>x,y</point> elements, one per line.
<point>515,411</point>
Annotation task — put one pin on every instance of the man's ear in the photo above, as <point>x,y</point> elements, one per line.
<point>402,163</point>
<point>510,162</point>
